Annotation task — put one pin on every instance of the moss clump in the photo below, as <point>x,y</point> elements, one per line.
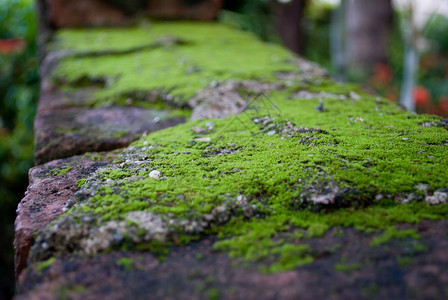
<point>67,292</point>
<point>211,52</point>
<point>60,172</point>
<point>404,260</point>
<point>289,257</point>
<point>115,174</point>
<point>213,294</point>
<point>126,263</point>
<point>45,264</point>
<point>92,156</point>
<point>344,267</point>
<point>80,182</point>
<point>317,229</point>
<point>392,233</point>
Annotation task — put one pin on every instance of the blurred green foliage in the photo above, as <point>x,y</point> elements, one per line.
<point>18,98</point>
<point>316,24</point>
<point>436,31</point>
<point>251,15</point>
<point>434,63</point>
<point>258,16</point>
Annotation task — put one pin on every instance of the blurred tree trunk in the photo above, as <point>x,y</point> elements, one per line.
<point>411,58</point>
<point>289,24</point>
<point>338,41</point>
<point>368,25</point>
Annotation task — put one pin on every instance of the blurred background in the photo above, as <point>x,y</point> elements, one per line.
<point>18,98</point>
<point>397,49</point>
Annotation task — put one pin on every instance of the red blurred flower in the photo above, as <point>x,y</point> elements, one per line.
<point>11,45</point>
<point>383,73</point>
<point>421,95</point>
<point>382,76</point>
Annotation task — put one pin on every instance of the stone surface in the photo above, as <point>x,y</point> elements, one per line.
<point>67,13</point>
<point>224,99</point>
<point>346,267</point>
<point>75,130</point>
<point>46,196</point>
<point>205,10</point>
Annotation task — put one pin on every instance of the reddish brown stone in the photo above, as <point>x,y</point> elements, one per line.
<point>46,195</point>
<point>62,130</point>
<point>69,13</point>
<point>197,272</point>
<point>58,100</point>
<point>206,10</point>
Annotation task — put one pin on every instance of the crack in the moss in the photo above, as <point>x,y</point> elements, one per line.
<point>167,41</point>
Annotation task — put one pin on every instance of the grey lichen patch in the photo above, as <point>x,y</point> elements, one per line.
<point>304,94</point>
<point>86,234</point>
<point>221,151</point>
<point>231,97</point>
<point>270,125</point>
<point>308,71</point>
<point>438,197</point>
<point>325,194</point>
<point>440,123</point>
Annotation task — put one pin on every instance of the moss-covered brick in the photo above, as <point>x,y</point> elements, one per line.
<point>264,182</point>
<point>208,52</point>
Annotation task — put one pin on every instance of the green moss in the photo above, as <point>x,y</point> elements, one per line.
<point>119,134</point>
<point>419,247</point>
<point>126,263</point>
<point>45,264</point>
<point>66,292</point>
<point>393,233</point>
<point>344,267</point>
<point>211,52</point>
<point>339,233</point>
<point>115,174</point>
<point>80,182</point>
<point>273,173</point>
<point>329,86</point>
<point>404,260</point>
<point>92,156</point>
<point>213,294</point>
<point>370,291</point>
<point>317,230</point>
<point>158,249</point>
<point>78,289</point>
<point>60,172</point>
<point>289,257</point>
